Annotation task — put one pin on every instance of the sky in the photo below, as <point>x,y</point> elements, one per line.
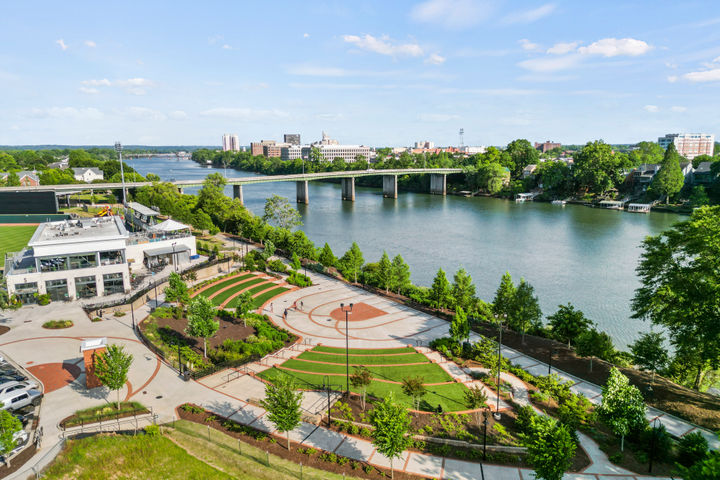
<point>379,73</point>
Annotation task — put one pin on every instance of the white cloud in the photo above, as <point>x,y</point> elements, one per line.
<point>550,64</point>
<point>384,45</point>
<point>527,45</point>
<point>135,86</point>
<point>529,16</point>
<point>452,13</point>
<point>178,115</point>
<point>61,42</point>
<point>562,48</point>
<point>313,71</point>
<point>329,116</point>
<point>672,78</point>
<point>306,35</point>
<point>89,90</point>
<point>90,43</point>
<point>437,117</point>
<point>97,83</point>
<point>613,47</point>
<point>712,75</point>
<point>651,108</point>
<point>678,109</point>
<point>143,113</point>
<point>248,114</point>
<point>435,59</point>
<point>71,113</point>
<point>226,47</point>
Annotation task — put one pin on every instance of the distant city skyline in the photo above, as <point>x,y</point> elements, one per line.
<point>372,73</point>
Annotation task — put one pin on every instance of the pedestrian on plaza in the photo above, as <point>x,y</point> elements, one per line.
<point>301,305</point>
<point>285,314</point>
<point>271,307</point>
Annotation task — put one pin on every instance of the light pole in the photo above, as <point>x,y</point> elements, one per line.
<point>552,352</point>
<point>497,404</point>
<point>118,149</point>
<point>326,384</point>
<point>174,256</point>
<point>347,346</point>
<point>485,424</point>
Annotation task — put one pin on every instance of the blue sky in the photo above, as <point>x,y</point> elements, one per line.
<point>371,72</point>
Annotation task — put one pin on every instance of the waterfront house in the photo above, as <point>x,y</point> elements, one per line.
<point>703,175</point>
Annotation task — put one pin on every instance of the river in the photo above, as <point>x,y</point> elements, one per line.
<point>574,254</point>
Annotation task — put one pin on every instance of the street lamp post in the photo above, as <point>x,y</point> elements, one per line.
<point>326,383</point>
<point>156,297</point>
<point>552,352</point>
<point>132,314</point>
<point>118,149</point>
<point>347,346</point>
<point>485,424</point>
<point>174,256</point>
<point>497,404</point>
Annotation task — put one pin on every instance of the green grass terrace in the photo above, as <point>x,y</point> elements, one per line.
<point>225,293</point>
<point>389,366</point>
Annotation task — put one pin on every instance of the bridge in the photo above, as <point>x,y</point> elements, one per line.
<point>438,182</point>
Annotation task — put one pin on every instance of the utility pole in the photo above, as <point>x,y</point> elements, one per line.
<point>118,149</point>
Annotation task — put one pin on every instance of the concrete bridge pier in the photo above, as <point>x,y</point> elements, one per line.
<point>302,192</point>
<point>348,188</point>
<point>390,186</point>
<point>238,193</point>
<point>438,184</point>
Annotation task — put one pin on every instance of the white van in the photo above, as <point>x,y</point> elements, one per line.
<point>19,399</point>
<point>13,386</point>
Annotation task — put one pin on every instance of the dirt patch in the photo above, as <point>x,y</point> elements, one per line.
<point>361,311</point>
<point>700,408</point>
<point>229,329</point>
<point>4,329</point>
<point>55,375</point>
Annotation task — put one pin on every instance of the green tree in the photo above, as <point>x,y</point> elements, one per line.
<point>698,197</point>
<point>597,168</point>
<point>463,290</point>
<point>282,403</point>
<point>361,379</point>
<point>401,274</point>
<point>13,180</point>
<point>567,323</point>
<point>680,288</point>
<point>268,250</point>
<point>9,426</point>
<point>352,262</point>
<point>592,343</point>
<point>706,469</point>
<point>550,448</point>
<point>622,407</point>
<point>177,290</point>
<point>459,327</point>
<point>385,272</point>
<point>649,353</point>
<point>326,256</point>
<point>414,388</point>
<point>244,306</point>
<point>295,262</point>
<point>504,296</point>
<point>670,179</point>
<point>111,368</point>
<point>391,422</point>
<point>525,312</point>
<point>646,152</point>
<point>201,320</point>
<point>280,212</point>
<point>440,290</point>
<point>523,154</point>
<point>475,399</point>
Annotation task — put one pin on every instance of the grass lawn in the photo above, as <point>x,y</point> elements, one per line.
<point>260,299</point>
<point>365,359</point>
<point>364,351</point>
<point>221,297</point>
<point>429,372</point>
<point>14,239</point>
<point>210,290</point>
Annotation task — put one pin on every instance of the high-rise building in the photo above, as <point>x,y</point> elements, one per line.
<point>425,144</point>
<point>230,143</point>
<point>689,145</point>
<point>292,138</point>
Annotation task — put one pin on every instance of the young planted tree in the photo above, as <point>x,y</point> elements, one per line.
<point>244,305</point>
<point>649,353</point>
<point>525,310</point>
<point>177,290</point>
<point>475,399</point>
<point>460,326</point>
<point>463,290</point>
<point>504,296</point>
<point>283,405</point>
<point>326,257</point>
<point>401,274</point>
<point>201,320</point>
<point>414,388</point>
<point>268,250</point>
<point>9,426</point>
<point>111,368</point>
<point>622,407</point>
<point>361,379</point>
<point>592,343</point>
<point>295,262</point>
<point>385,272</point>
<point>567,323</point>
<point>280,212</point>
<point>440,290</point>
<point>391,422</point>
<point>352,262</point>
<point>550,448</point>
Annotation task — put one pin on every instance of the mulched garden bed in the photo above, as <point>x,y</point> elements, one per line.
<point>105,413</point>
<point>277,446</point>
<point>18,462</point>
<point>4,329</point>
<point>700,408</point>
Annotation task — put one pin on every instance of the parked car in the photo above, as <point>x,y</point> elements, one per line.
<point>12,386</point>
<point>12,377</point>
<point>19,399</point>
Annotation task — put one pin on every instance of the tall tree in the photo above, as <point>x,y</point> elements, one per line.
<point>440,290</point>
<point>391,422</point>
<point>523,154</point>
<point>280,212</point>
<point>177,290</point>
<point>550,448</point>
<point>504,296</point>
<point>385,272</point>
<point>622,407</point>
<point>567,323</point>
<point>401,274</point>
<point>459,327</point>
<point>111,368</point>
<point>670,179</point>
<point>326,256</point>
<point>201,320</point>
<point>282,402</point>
<point>597,168</point>
<point>680,288</point>
<point>525,312</point>
<point>361,379</point>
<point>463,290</point>
<point>352,262</point>
<point>649,353</point>
<point>646,152</point>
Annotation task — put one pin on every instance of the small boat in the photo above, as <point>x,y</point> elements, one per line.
<point>559,202</point>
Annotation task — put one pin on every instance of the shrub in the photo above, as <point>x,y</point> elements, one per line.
<point>298,279</point>
<point>56,324</point>
<point>616,457</point>
<point>118,313</point>
<point>692,448</point>
<point>277,266</point>
<point>96,319</point>
<point>43,299</point>
<point>369,469</point>
<point>354,465</point>
<point>191,408</point>
<point>152,430</point>
<point>525,419</point>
